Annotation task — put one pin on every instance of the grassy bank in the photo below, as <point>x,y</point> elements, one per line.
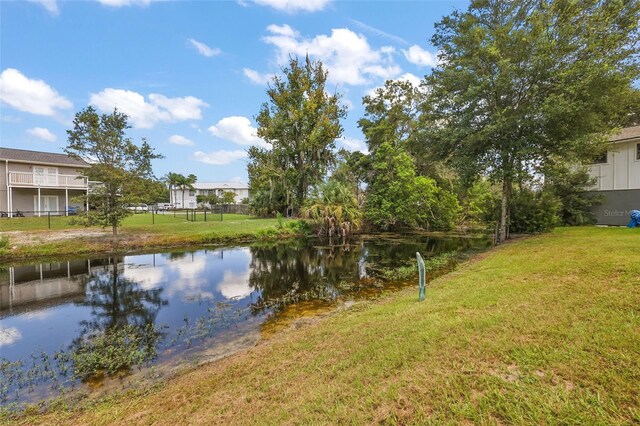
<point>31,237</point>
<point>538,331</point>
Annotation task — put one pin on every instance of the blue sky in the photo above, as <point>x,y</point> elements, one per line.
<point>192,75</point>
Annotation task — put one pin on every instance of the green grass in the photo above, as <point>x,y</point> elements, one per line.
<point>544,330</point>
<point>137,232</point>
<point>132,222</point>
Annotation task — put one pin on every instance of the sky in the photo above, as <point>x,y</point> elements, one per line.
<point>192,75</point>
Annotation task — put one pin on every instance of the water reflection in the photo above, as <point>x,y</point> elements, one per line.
<point>165,305</point>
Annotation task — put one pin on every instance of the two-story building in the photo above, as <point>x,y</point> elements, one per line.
<point>33,183</point>
<point>189,196</point>
<point>617,174</point>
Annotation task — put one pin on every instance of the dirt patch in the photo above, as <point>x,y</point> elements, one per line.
<point>22,238</point>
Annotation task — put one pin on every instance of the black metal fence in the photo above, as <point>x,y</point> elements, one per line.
<point>215,213</point>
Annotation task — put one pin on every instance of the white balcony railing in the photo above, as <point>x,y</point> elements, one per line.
<point>35,180</point>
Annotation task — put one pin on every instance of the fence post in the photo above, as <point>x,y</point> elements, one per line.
<point>205,214</point>
<point>153,217</point>
<point>49,219</point>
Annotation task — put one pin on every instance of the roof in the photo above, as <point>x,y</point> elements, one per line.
<point>39,157</point>
<point>220,185</point>
<point>626,134</point>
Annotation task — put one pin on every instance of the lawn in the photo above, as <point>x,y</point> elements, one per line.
<point>133,222</point>
<point>543,330</point>
<point>31,237</point>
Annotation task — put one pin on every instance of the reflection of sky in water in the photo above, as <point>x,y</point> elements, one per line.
<point>47,315</point>
<point>189,281</point>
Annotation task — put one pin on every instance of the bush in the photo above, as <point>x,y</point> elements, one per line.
<point>4,244</point>
<point>534,211</point>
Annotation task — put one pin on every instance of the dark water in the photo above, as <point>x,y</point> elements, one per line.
<point>62,322</point>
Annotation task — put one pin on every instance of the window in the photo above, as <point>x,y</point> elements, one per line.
<point>638,151</point>
<point>192,193</point>
<point>601,159</point>
<point>45,176</point>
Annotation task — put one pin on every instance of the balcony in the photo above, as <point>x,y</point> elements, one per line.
<point>34,180</point>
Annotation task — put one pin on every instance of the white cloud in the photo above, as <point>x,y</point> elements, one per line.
<point>235,285</point>
<point>411,78</point>
<point>203,49</point>
<point>417,55</point>
<point>50,5</point>
<point>237,129</point>
<point>283,30</point>
<point>121,3</point>
<point>145,114</point>
<point>9,335</point>
<point>180,140</point>
<point>353,144</point>
<point>347,55</point>
<point>219,158</point>
<point>42,133</point>
<point>33,96</point>
<point>257,77</point>
<point>292,6</point>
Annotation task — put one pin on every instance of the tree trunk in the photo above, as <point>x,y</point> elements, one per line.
<point>114,227</point>
<point>503,227</point>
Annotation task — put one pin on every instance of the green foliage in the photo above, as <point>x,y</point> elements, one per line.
<point>334,210</point>
<point>121,168</point>
<point>179,181</point>
<point>300,122</point>
<point>299,227</point>
<point>389,197</point>
<point>391,114</point>
<point>114,351</point>
<point>431,264</point>
<point>570,187</point>
<point>4,244</point>
<point>229,197</point>
<point>397,198</point>
<point>520,83</point>
<point>533,211</point>
<point>479,203</point>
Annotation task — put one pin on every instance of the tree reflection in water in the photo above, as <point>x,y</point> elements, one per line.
<point>122,331</point>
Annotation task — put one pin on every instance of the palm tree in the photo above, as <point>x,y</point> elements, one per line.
<point>172,180</point>
<point>335,210</point>
<point>186,183</point>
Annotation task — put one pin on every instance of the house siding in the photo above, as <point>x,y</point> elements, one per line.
<point>621,171</point>
<point>22,196</point>
<point>618,181</point>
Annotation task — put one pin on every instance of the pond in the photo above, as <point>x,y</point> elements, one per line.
<point>85,323</point>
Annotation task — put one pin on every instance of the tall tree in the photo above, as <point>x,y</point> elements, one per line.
<point>121,168</point>
<point>391,114</point>
<point>521,82</point>
<point>185,183</point>
<point>172,180</point>
<point>300,122</point>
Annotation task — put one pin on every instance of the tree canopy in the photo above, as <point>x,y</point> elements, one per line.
<point>524,84</point>
<point>300,123</point>
<point>121,169</point>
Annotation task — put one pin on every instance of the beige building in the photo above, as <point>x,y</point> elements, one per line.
<point>33,183</point>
